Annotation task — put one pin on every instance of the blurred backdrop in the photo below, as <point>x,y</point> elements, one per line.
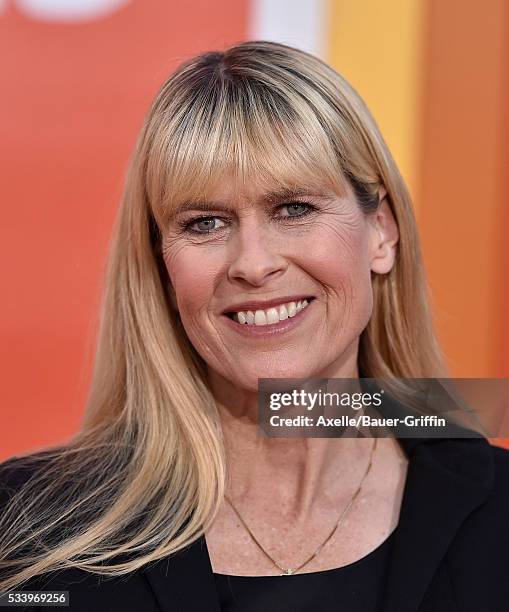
<point>77,79</point>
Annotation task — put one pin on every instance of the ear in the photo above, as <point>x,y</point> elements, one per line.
<point>384,236</point>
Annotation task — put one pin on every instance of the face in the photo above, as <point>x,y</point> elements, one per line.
<point>260,256</point>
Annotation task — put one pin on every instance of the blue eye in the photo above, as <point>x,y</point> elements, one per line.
<point>208,224</point>
<point>297,209</point>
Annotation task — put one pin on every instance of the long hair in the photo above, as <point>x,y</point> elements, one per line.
<point>145,475</point>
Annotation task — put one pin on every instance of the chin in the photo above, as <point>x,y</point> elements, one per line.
<point>249,379</point>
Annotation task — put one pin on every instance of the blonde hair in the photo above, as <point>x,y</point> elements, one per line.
<point>145,476</point>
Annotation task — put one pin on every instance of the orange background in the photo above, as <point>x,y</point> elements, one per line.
<point>73,100</point>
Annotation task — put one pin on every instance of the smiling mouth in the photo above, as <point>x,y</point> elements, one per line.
<point>270,316</point>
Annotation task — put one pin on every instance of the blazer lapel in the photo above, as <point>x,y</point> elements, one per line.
<point>184,582</point>
<point>446,480</point>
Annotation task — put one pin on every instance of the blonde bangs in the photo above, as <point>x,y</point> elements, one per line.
<point>259,139</point>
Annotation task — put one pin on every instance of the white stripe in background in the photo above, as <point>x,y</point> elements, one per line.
<point>68,10</point>
<point>299,23</point>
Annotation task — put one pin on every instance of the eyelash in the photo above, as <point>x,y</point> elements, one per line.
<point>186,225</point>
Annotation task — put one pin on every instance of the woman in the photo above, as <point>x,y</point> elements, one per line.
<point>265,232</point>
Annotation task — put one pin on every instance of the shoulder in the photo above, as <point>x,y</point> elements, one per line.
<point>487,528</point>
<point>491,467</point>
<point>501,456</point>
<point>87,590</point>
<point>498,498</point>
<point>478,559</point>
<point>17,471</point>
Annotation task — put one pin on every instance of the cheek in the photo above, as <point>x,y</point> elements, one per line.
<point>340,258</point>
<point>340,262</point>
<point>193,277</point>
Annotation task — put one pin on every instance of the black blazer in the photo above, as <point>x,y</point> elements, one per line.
<point>450,554</point>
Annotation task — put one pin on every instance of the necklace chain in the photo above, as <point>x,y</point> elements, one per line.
<point>289,571</point>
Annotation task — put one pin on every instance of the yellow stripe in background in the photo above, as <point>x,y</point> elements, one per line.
<point>376,45</point>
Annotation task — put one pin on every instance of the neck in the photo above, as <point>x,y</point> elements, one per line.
<point>290,472</point>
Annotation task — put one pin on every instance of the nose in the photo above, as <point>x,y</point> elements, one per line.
<point>256,257</point>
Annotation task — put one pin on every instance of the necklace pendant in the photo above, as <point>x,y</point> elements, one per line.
<point>287,572</point>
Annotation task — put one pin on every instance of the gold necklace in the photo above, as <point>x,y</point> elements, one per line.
<point>289,571</point>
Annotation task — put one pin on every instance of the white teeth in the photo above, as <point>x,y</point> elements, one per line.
<point>271,315</point>
<point>242,317</point>
<point>260,318</point>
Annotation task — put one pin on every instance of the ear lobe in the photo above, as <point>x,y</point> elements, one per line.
<point>385,238</point>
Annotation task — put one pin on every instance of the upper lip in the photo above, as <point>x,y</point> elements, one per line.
<point>264,304</point>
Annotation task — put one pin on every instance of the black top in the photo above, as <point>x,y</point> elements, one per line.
<point>450,551</point>
<point>356,587</point>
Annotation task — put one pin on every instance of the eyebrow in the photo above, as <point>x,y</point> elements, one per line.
<point>269,197</point>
